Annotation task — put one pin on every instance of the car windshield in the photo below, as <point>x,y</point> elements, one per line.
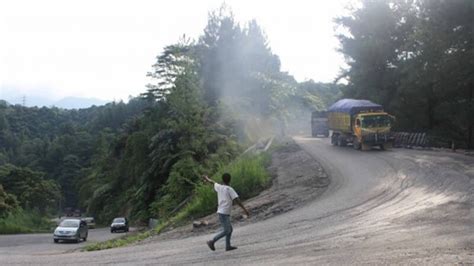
<point>69,223</point>
<point>375,121</point>
<point>119,220</point>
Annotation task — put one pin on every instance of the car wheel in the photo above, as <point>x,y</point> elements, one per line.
<point>56,240</point>
<point>112,231</point>
<point>85,238</point>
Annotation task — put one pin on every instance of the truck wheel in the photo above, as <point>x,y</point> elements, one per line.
<point>386,146</point>
<point>341,142</point>
<point>365,147</point>
<point>356,145</point>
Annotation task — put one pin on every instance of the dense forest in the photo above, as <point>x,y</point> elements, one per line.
<point>211,97</point>
<point>45,151</point>
<point>417,59</point>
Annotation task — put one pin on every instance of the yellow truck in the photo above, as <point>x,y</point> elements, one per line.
<point>360,122</point>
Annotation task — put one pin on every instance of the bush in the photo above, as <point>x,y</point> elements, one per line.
<point>249,177</point>
<point>118,242</point>
<point>22,222</point>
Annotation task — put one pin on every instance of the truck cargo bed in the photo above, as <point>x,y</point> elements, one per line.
<point>340,122</point>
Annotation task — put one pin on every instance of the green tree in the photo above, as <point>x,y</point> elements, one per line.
<point>30,188</point>
<point>415,58</point>
<point>8,202</point>
<point>377,33</point>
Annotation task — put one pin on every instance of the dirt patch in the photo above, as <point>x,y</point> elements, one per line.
<point>297,178</point>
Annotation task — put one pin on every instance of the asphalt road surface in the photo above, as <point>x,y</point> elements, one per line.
<point>42,244</point>
<point>400,206</point>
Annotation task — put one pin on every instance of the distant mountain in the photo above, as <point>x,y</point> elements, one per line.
<point>43,96</point>
<point>78,103</point>
<point>66,103</point>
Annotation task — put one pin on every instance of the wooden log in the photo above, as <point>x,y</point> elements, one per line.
<point>405,138</point>
<point>395,138</point>
<point>397,141</point>
<point>423,140</point>
<point>415,140</point>
<point>418,140</point>
<point>410,139</point>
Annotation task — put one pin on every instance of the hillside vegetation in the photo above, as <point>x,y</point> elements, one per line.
<point>211,97</point>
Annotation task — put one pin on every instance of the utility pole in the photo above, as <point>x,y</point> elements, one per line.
<point>23,100</point>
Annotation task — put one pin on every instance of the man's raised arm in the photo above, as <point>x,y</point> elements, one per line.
<point>208,180</point>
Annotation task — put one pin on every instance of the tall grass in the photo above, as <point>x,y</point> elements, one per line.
<point>23,222</point>
<point>118,242</point>
<point>249,177</point>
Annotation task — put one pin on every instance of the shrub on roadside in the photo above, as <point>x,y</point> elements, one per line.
<point>118,242</point>
<point>249,177</point>
<point>22,222</point>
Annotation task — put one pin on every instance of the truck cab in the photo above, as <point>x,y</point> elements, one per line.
<point>373,129</point>
<point>362,123</point>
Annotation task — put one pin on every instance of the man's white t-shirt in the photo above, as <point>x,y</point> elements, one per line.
<point>225,197</point>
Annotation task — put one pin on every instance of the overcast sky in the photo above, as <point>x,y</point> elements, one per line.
<point>103,49</point>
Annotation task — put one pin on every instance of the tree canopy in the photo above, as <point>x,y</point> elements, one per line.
<point>417,59</point>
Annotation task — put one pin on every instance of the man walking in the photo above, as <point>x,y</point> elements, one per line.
<point>226,195</point>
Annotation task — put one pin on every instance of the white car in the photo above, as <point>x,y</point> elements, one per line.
<point>71,230</point>
<point>90,222</point>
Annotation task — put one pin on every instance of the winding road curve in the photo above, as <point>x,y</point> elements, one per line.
<point>400,206</point>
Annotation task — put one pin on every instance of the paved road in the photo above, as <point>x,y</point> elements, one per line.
<point>42,244</point>
<point>400,206</point>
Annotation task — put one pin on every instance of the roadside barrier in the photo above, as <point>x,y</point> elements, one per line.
<point>422,140</point>
<point>407,140</point>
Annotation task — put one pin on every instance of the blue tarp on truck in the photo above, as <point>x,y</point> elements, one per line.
<point>353,106</point>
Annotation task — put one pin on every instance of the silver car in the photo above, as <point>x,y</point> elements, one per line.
<point>71,230</point>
